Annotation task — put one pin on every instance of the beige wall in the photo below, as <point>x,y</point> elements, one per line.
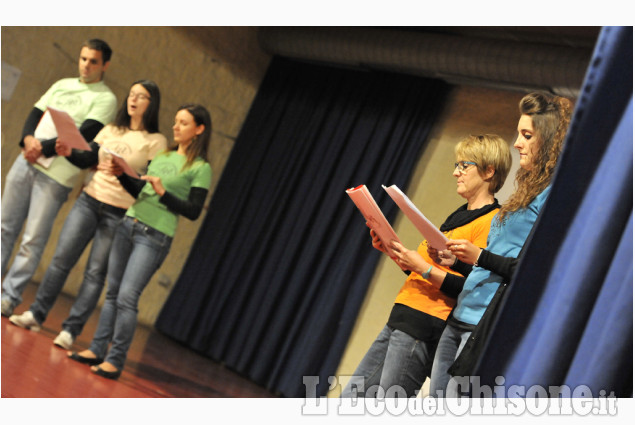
<point>433,189</point>
<point>219,67</point>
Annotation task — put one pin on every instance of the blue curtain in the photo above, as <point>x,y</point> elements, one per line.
<point>567,318</point>
<point>282,262</point>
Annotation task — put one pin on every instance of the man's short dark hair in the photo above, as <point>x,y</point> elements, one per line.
<point>101,46</point>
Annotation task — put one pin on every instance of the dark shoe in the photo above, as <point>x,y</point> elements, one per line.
<point>110,375</point>
<point>85,360</point>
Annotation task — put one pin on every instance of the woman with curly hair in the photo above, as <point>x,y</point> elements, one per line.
<point>400,359</point>
<point>541,132</point>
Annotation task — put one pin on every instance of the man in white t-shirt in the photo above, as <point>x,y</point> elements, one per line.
<point>39,181</point>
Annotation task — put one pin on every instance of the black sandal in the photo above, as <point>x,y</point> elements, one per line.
<point>110,375</point>
<point>85,360</point>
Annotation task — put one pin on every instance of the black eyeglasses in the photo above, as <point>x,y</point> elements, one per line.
<point>463,166</point>
<point>140,96</point>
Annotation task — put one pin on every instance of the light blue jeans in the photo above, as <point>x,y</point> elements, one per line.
<point>88,219</point>
<point>30,196</point>
<point>450,345</point>
<point>394,358</point>
<point>137,252</point>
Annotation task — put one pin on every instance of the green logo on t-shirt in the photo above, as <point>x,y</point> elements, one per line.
<point>166,170</point>
<point>67,101</point>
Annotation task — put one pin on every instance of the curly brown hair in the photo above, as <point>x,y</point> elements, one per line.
<point>550,116</point>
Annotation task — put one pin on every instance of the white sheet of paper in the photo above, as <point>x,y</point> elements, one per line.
<point>67,131</point>
<point>373,215</point>
<point>44,161</point>
<point>45,130</point>
<point>435,238</point>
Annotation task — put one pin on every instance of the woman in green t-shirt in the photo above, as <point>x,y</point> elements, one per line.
<point>176,184</point>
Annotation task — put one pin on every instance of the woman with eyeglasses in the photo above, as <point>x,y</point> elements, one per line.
<point>400,359</point>
<point>134,135</point>
<point>176,185</point>
<point>543,123</point>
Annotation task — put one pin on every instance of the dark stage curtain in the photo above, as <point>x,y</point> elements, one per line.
<point>567,318</point>
<point>277,274</point>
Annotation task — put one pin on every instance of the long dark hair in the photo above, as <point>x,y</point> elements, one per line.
<point>150,116</point>
<point>199,145</point>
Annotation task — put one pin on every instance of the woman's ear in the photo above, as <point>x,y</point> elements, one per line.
<point>489,172</point>
<point>200,129</point>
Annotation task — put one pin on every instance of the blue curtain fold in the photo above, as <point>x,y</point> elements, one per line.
<point>612,316</point>
<point>281,264</point>
<point>566,318</point>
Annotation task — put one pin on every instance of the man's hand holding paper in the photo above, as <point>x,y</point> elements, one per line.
<point>62,149</point>
<point>32,149</point>
<point>67,132</point>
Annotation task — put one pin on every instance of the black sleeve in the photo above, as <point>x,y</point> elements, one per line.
<point>31,124</point>
<point>48,147</point>
<point>85,159</point>
<point>502,266</point>
<point>90,128</point>
<point>190,208</point>
<point>461,267</point>
<point>452,285</point>
<point>133,186</point>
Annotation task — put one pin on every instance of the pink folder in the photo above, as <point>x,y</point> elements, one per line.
<point>373,215</point>
<point>67,132</point>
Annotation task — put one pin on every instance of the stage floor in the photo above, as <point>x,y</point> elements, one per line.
<point>157,366</point>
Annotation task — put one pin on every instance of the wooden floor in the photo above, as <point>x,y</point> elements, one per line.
<point>157,367</point>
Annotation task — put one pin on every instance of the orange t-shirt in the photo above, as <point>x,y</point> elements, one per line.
<point>420,294</point>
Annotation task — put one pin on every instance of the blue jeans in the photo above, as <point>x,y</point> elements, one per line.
<point>88,219</point>
<point>450,345</point>
<point>137,252</point>
<point>395,358</point>
<point>30,196</point>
